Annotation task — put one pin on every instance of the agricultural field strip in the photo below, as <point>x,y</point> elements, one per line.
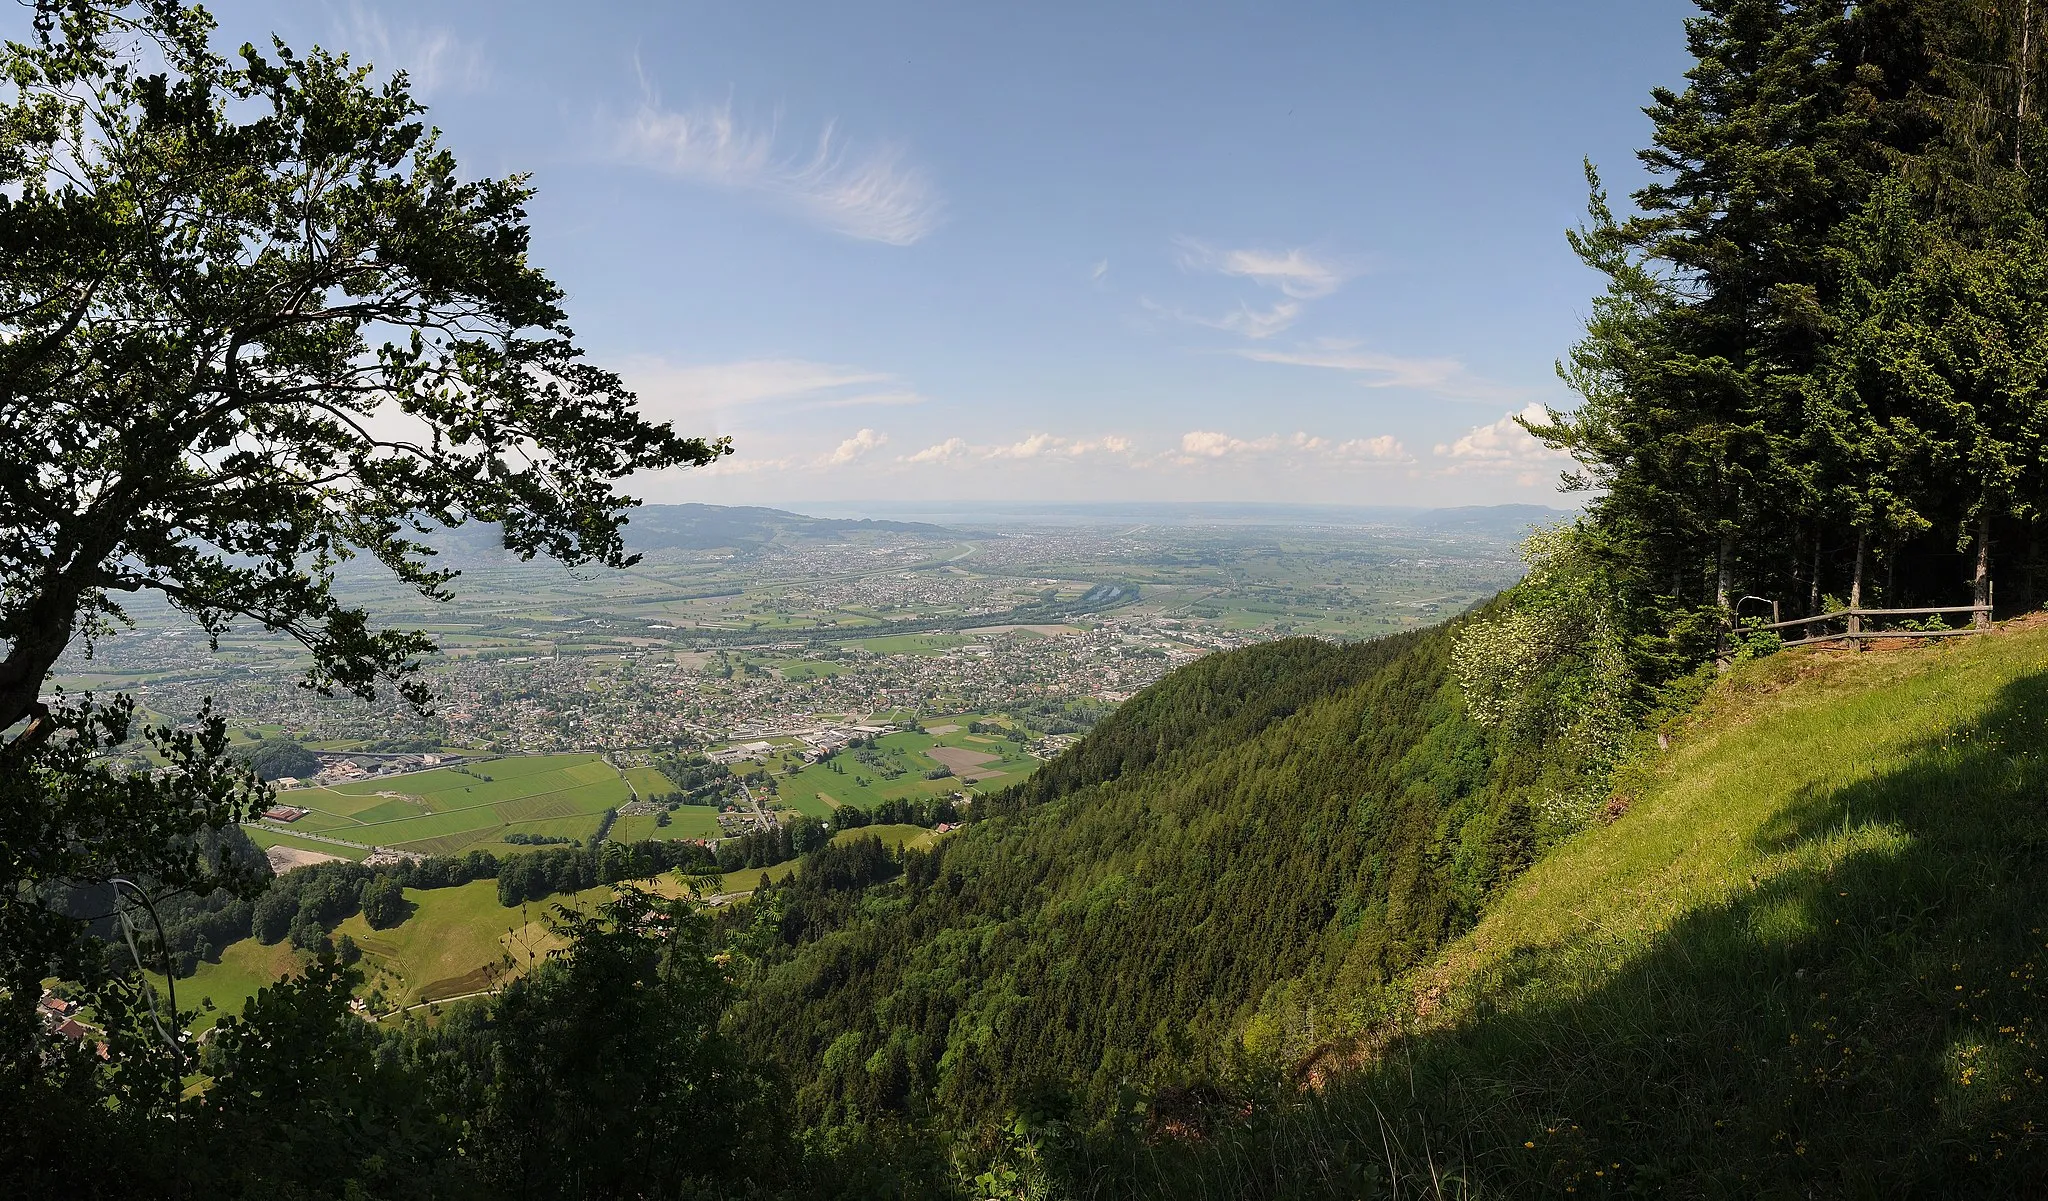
<point>609,796</point>
<point>575,778</point>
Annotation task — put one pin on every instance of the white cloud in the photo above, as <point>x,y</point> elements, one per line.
<point>943,452</point>
<point>1209,445</point>
<point>857,446</point>
<point>1033,446</point>
<point>875,195</point>
<point>670,390</point>
<point>1099,272</point>
<point>1505,448</point>
<point>1384,449</point>
<point>1445,377</point>
<point>434,58</point>
<point>1295,272</point>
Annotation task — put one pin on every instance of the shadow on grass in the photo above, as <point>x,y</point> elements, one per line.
<point>1867,1024</point>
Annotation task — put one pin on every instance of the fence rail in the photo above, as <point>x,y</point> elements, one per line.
<point>1980,622</point>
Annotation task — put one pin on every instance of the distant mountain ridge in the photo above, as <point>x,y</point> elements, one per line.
<point>706,527</point>
<point>710,527</point>
<point>1487,518</point>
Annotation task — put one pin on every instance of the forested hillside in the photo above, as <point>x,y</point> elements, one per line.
<point>1165,911</point>
<point>1805,963</point>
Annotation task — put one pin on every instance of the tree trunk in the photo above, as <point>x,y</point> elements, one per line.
<point>1721,558</point>
<point>2021,70</point>
<point>47,627</point>
<point>1980,593</point>
<point>1813,585</point>
<point>1856,589</point>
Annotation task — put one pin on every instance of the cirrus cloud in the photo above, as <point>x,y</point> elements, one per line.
<point>670,389</point>
<point>875,195</point>
<point>1295,272</point>
<point>434,58</point>
<point>1445,377</point>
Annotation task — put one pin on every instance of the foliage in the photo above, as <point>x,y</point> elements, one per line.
<point>223,283</point>
<point>521,838</point>
<point>1820,348</point>
<point>603,1072</point>
<point>1228,869</point>
<point>277,758</point>
<point>384,903</point>
<point>765,848</point>
<point>1547,663</point>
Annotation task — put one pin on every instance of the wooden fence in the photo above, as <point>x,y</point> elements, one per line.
<point>1854,631</point>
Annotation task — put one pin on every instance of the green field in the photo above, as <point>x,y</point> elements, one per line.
<point>649,782</point>
<point>264,836</point>
<point>243,968</point>
<point>688,821</point>
<point>458,940</point>
<point>850,779</point>
<point>448,810</point>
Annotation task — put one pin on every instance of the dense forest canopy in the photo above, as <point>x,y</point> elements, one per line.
<point>1813,381</point>
<point>1815,374</point>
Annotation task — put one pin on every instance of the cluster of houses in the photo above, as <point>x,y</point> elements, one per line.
<point>359,765</point>
<point>818,743</point>
<point>60,1018</point>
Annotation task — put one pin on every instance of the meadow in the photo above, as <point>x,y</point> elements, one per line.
<point>451,810</point>
<point>863,778</point>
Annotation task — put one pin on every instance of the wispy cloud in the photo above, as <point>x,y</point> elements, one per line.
<point>1099,272</point>
<point>874,195</point>
<point>1296,272</point>
<point>1504,448</point>
<point>1445,377</point>
<point>1252,323</point>
<point>433,57</point>
<point>675,389</point>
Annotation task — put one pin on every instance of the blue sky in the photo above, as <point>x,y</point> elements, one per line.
<point>1060,252</point>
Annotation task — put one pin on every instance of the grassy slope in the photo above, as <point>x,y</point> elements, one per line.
<point>456,941</point>
<point>1803,963</point>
